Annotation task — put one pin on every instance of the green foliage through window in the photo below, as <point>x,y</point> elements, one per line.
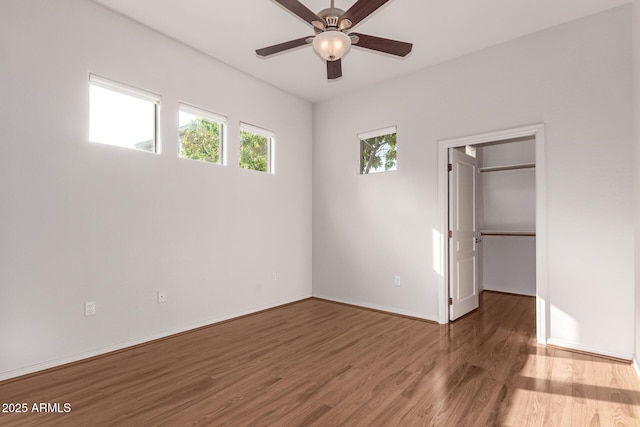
<point>378,154</point>
<point>255,151</point>
<point>200,140</point>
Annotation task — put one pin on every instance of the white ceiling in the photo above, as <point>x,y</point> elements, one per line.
<point>231,31</point>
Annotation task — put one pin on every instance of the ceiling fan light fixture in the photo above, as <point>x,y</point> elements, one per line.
<point>331,41</point>
<point>331,45</point>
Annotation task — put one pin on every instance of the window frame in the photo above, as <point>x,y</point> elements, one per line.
<point>362,136</point>
<point>210,116</point>
<point>134,92</point>
<point>271,140</point>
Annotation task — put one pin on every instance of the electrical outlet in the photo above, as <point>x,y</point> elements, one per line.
<point>274,276</point>
<point>89,308</point>
<point>162,297</point>
<point>396,281</point>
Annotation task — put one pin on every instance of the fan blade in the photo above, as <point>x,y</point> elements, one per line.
<point>394,47</point>
<point>276,48</point>
<point>300,10</point>
<point>360,10</point>
<point>334,69</point>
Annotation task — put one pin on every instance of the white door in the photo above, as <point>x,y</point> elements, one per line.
<point>463,253</point>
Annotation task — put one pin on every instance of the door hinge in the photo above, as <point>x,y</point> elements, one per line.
<point>450,167</point>
<point>450,234</point>
<point>450,301</point>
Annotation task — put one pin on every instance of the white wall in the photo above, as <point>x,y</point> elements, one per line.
<point>576,78</point>
<point>82,221</point>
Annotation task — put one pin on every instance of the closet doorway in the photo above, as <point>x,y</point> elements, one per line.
<point>485,222</point>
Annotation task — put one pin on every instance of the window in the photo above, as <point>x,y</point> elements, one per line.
<point>201,135</point>
<point>121,115</point>
<point>378,151</point>
<point>256,148</point>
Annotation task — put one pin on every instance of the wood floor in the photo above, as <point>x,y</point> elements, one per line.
<point>325,364</point>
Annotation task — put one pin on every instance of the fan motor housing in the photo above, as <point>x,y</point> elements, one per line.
<point>331,16</point>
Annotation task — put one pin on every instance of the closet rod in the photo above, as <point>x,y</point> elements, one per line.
<point>508,233</point>
<point>506,167</point>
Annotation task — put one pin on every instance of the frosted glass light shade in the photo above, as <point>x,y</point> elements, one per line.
<point>331,45</point>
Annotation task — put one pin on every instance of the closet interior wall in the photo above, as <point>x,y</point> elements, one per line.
<point>506,216</point>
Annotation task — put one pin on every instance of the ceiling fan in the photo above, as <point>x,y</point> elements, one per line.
<point>332,39</point>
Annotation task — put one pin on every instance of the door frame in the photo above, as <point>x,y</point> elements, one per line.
<point>542,291</point>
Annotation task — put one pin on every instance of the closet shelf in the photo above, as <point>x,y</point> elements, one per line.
<point>507,233</point>
<point>507,167</point>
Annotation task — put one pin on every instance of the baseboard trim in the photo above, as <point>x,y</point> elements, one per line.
<point>591,351</point>
<point>379,309</point>
<point>53,365</point>
<point>491,291</point>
